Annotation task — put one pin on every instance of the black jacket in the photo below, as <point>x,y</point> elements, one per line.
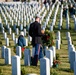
<point>35,33</point>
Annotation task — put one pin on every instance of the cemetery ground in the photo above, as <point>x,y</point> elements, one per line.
<point>63,69</point>
<point>64,66</point>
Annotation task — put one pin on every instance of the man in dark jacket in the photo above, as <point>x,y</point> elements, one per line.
<point>36,33</point>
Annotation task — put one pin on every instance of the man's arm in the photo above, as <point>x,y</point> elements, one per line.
<point>40,32</point>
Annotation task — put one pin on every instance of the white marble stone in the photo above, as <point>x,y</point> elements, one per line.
<point>44,66</point>
<point>16,41</point>
<point>54,51</point>
<point>5,35</point>
<point>7,41</point>
<point>10,31</point>
<point>24,32</point>
<point>17,31</point>
<point>25,23</point>
<point>29,38</point>
<point>68,35</point>
<point>51,28</point>
<point>3,51</point>
<point>33,51</point>
<point>72,59</point>
<point>21,27</point>
<point>49,55</point>
<point>27,57</point>
<point>57,44</point>
<point>67,22</point>
<point>16,69</point>
<point>75,68</point>
<point>7,56</point>
<point>13,36</point>
<point>26,41</point>
<point>75,23</point>
<point>71,48</point>
<point>18,51</point>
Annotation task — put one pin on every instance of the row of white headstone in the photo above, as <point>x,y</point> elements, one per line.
<point>45,62</point>
<point>55,14</point>
<point>14,25</point>
<point>45,23</point>
<point>71,53</point>
<point>12,15</point>
<point>21,26</point>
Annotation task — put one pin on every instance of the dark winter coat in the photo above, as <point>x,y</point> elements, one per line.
<point>21,41</point>
<point>35,33</point>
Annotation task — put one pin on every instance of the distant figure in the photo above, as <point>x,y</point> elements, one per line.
<point>44,2</point>
<point>53,1</point>
<point>61,1</point>
<point>65,11</point>
<point>21,40</point>
<point>72,10</point>
<point>36,33</point>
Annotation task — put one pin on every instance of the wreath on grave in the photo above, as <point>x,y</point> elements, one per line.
<point>56,63</point>
<point>48,38</point>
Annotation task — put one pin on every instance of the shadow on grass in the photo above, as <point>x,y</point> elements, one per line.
<point>5,64</point>
<point>2,64</point>
<point>64,43</point>
<point>66,70</point>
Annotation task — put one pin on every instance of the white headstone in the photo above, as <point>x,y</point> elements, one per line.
<point>24,32</point>
<point>54,51</point>
<point>44,66</point>
<point>29,38</point>
<point>75,68</point>
<point>24,23</point>
<point>33,51</point>
<point>18,51</point>
<point>21,27</point>
<point>75,23</point>
<point>5,35</point>
<point>49,55</point>
<point>7,41</point>
<point>7,56</point>
<point>68,35</point>
<point>16,65</point>
<point>57,44</point>
<point>67,22</point>
<point>17,31</point>
<point>10,31</point>
<point>27,57</point>
<point>26,41</point>
<point>13,36</point>
<point>72,59</point>
<point>3,51</point>
<point>16,41</point>
<point>51,28</point>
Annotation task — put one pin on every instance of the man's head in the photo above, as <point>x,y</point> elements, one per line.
<point>37,18</point>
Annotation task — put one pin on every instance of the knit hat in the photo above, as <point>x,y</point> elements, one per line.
<point>22,33</point>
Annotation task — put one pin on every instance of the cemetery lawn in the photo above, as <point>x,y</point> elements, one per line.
<point>63,68</point>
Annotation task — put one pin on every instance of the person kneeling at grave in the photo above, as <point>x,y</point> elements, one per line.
<point>21,41</point>
<point>36,33</point>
